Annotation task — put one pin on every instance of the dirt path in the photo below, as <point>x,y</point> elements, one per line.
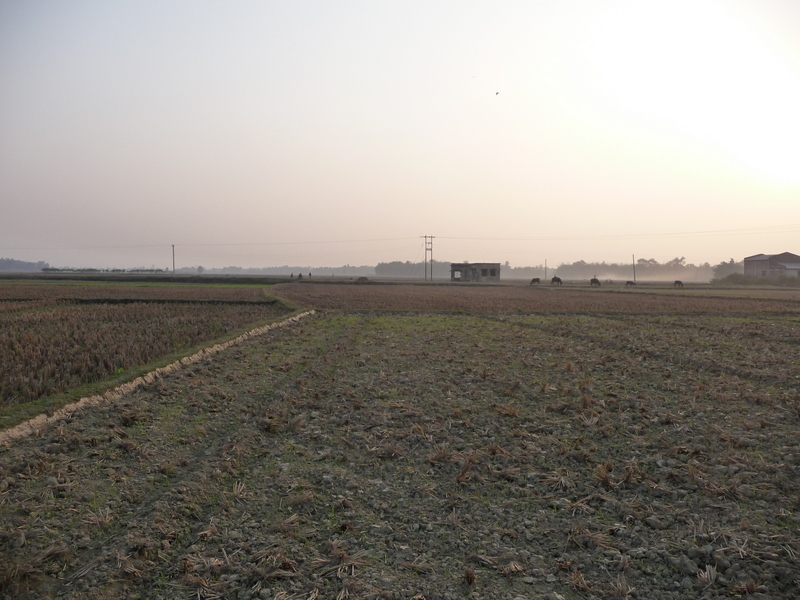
<point>428,456</point>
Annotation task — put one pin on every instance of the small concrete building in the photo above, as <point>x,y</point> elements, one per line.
<point>480,272</point>
<point>772,265</point>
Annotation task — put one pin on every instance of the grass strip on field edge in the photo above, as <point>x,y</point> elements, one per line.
<point>33,425</point>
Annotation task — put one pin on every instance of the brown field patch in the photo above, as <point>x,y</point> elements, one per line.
<point>11,290</point>
<point>439,454</point>
<point>518,299</point>
<point>64,336</point>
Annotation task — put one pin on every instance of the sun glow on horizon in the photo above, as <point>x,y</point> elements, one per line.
<point>709,78</point>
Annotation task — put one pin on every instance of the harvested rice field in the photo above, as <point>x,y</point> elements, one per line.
<point>54,338</point>
<point>437,443</point>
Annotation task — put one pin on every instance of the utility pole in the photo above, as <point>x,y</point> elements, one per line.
<point>425,259</point>
<point>545,269</point>
<point>428,249</point>
<point>173,259</point>
<point>431,258</point>
<point>634,267</point>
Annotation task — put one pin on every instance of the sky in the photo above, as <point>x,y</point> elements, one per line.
<point>315,133</point>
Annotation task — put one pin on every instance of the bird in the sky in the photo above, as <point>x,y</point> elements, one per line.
<point>497,93</point>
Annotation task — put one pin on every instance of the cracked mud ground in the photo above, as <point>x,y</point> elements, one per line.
<point>435,456</point>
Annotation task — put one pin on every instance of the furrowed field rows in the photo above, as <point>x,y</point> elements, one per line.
<point>48,346</point>
<point>385,455</point>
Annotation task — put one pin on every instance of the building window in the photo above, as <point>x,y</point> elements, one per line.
<point>493,272</point>
<point>456,274</point>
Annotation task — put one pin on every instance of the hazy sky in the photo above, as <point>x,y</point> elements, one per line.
<point>330,133</point>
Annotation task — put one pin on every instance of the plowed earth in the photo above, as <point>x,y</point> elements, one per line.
<point>601,453</point>
<point>506,299</point>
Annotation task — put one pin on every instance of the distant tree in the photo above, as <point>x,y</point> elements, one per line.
<point>441,270</point>
<point>731,267</point>
<point>526,273</point>
<point>676,262</point>
<point>10,264</point>
<point>200,269</point>
<point>399,269</point>
<point>646,268</point>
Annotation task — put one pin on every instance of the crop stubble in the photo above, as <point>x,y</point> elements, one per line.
<point>545,299</point>
<point>86,291</point>
<point>54,337</point>
<point>403,454</point>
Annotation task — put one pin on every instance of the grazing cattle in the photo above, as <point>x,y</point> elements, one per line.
<point>630,283</point>
<point>678,283</point>
<point>595,282</point>
<point>535,281</point>
<point>555,281</point>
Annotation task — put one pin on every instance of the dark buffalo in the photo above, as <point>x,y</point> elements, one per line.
<point>555,281</point>
<point>595,282</point>
<point>535,281</point>
<point>678,283</point>
<point>630,283</point>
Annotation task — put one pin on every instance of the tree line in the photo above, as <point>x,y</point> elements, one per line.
<point>9,265</point>
<point>645,268</point>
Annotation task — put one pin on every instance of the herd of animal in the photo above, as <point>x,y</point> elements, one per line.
<point>595,282</point>
<point>553,281</point>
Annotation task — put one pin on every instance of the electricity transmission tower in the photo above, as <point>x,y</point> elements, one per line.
<point>428,250</point>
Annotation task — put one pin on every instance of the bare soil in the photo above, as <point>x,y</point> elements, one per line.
<point>505,299</point>
<point>599,453</point>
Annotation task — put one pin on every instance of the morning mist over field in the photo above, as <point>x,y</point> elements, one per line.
<point>273,133</point>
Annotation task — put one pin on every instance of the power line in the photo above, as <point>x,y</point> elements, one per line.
<point>204,245</point>
<point>84,247</point>
<point>626,236</point>
<point>789,228</point>
<point>300,243</point>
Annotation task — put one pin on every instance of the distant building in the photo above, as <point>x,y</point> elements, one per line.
<point>481,272</point>
<point>772,265</point>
